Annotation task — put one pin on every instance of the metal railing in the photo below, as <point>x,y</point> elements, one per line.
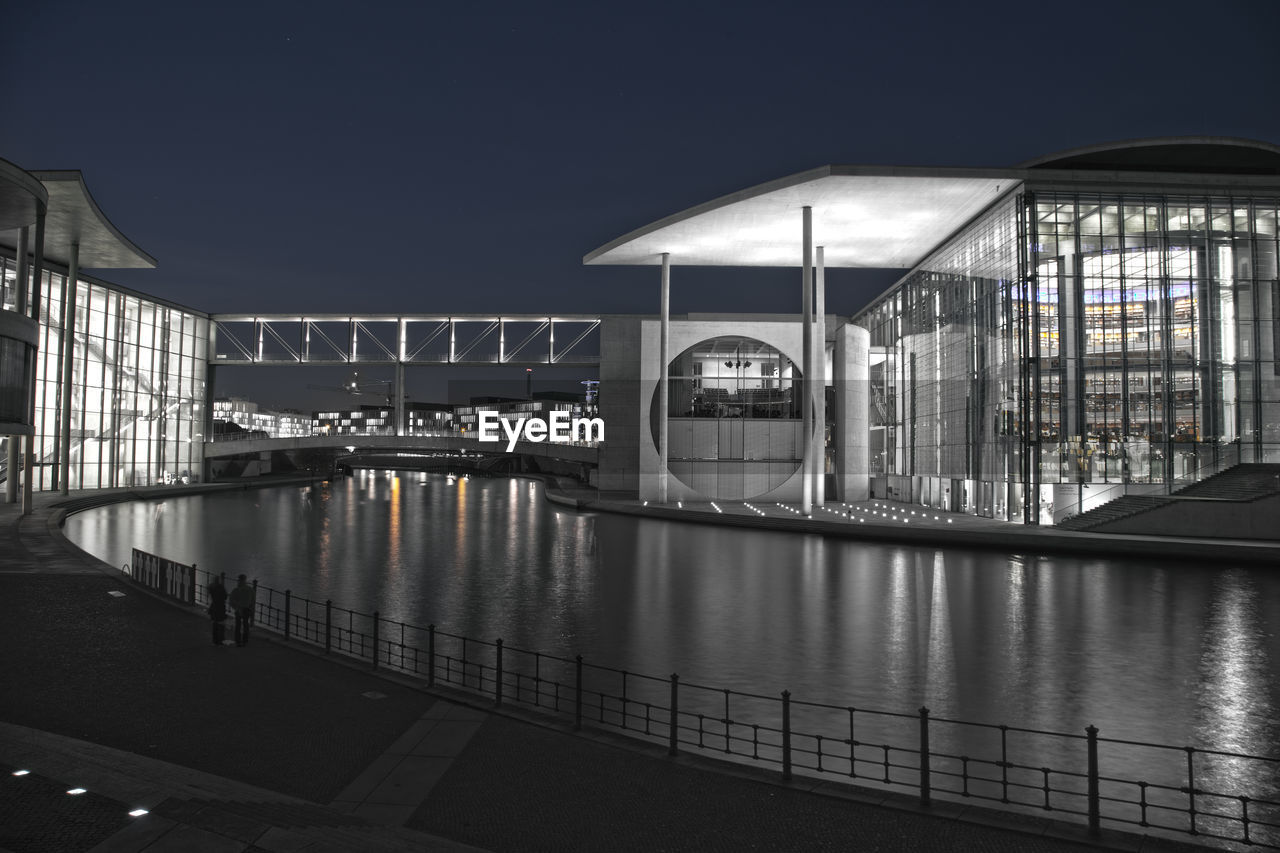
<point>1207,793</point>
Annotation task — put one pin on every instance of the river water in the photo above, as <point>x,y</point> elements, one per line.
<point>1144,650</point>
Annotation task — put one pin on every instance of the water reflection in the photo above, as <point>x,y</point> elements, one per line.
<point>1143,650</point>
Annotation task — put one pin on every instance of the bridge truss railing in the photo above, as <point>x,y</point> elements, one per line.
<point>1211,794</point>
<point>354,339</point>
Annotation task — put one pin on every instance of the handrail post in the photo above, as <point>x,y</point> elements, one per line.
<point>255,600</point>
<point>786,735</point>
<point>431,655</point>
<point>192,590</point>
<point>497,675</point>
<point>328,624</point>
<point>375,639</point>
<point>577,699</point>
<point>287,611</point>
<point>925,786</point>
<point>1191,789</point>
<point>673,746</point>
<point>1095,812</point>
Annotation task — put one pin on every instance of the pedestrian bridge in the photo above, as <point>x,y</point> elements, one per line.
<point>581,452</point>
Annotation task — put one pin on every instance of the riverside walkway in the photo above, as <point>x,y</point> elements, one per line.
<point>274,747</point>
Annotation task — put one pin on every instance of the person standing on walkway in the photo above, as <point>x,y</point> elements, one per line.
<point>242,600</point>
<point>218,609</point>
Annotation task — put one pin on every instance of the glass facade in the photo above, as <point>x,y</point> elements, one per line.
<point>1070,343</point>
<point>946,372</point>
<point>735,423</point>
<point>137,387</point>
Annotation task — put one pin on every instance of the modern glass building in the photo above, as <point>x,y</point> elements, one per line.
<point>1089,324</point>
<point>1086,337</point>
<point>1072,329</point>
<point>123,403</point>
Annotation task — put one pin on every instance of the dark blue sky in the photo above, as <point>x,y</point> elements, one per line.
<point>463,157</point>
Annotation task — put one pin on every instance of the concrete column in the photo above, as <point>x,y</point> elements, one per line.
<point>24,270</point>
<point>37,279</point>
<point>664,356</point>
<point>13,475</point>
<point>399,392</point>
<point>851,377</point>
<point>806,393</point>
<point>68,361</point>
<point>210,384</point>
<point>820,391</point>
<point>55,470</point>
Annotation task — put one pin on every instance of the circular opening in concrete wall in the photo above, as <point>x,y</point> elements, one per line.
<point>734,422</point>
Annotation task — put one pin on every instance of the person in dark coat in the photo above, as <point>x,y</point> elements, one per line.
<point>218,609</point>
<point>242,601</point>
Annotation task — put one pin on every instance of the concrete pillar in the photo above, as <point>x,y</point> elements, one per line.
<point>37,279</point>
<point>664,356</point>
<point>13,476</point>
<point>24,270</point>
<point>806,394</point>
<point>210,384</point>
<point>851,368</point>
<point>820,391</point>
<point>399,392</point>
<point>68,361</point>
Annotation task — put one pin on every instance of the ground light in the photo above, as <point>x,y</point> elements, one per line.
<point>75,792</point>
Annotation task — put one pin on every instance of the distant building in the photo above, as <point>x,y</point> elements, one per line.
<point>366,420</point>
<point>466,417</point>
<point>246,415</point>
<point>423,419</point>
<point>429,418</point>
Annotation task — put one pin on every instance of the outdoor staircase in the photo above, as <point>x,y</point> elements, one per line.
<point>1239,483</point>
<point>1244,482</point>
<point>1122,507</point>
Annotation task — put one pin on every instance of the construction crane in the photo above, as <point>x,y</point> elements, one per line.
<point>357,388</point>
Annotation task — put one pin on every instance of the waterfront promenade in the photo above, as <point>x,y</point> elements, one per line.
<point>276,747</point>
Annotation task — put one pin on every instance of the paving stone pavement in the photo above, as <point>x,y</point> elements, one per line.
<point>275,748</point>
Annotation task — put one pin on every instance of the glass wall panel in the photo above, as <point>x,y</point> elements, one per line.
<point>136,392</point>
<point>1159,382</point>
<point>735,423</point>
<point>947,371</point>
<point>1070,340</point>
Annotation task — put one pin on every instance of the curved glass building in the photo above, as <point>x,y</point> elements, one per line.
<point>1089,324</point>
<point>107,388</point>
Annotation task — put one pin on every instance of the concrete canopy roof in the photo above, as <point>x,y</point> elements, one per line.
<point>74,216</point>
<point>863,216</point>
<point>20,196</point>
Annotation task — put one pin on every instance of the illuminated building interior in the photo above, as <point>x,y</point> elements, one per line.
<point>1078,327</point>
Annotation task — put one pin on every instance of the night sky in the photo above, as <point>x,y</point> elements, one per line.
<point>430,157</point>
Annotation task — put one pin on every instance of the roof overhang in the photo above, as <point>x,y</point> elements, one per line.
<point>863,216</point>
<point>21,195</point>
<point>74,217</point>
